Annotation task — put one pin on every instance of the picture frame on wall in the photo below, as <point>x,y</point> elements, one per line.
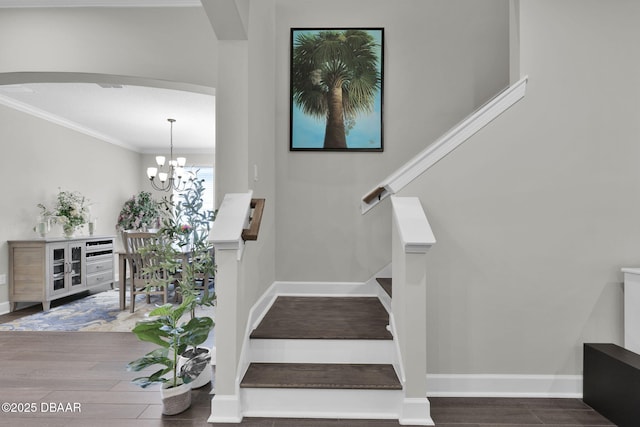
<point>336,98</point>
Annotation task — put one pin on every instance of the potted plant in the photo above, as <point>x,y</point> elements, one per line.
<point>187,224</point>
<point>165,329</point>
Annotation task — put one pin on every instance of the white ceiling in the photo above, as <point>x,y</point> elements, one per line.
<point>131,116</point>
<point>134,117</point>
<point>99,3</point>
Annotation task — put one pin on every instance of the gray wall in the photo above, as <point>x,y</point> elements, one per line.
<point>38,157</point>
<point>536,215</point>
<point>442,60</point>
<point>173,44</point>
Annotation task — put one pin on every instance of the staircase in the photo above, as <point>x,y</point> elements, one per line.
<point>323,357</point>
<point>328,351</point>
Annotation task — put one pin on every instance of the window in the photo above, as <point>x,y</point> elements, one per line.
<point>207,174</point>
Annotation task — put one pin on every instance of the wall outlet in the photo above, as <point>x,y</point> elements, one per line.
<point>3,279</point>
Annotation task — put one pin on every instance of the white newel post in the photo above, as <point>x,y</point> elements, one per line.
<point>632,309</point>
<point>226,236</point>
<point>411,239</point>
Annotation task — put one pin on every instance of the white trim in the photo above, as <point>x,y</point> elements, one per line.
<point>98,3</point>
<point>412,224</point>
<point>321,403</point>
<point>45,115</point>
<point>415,412</point>
<point>496,385</point>
<point>327,289</point>
<point>321,351</point>
<point>225,409</point>
<point>232,218</point>
<point>397,354</point>
<point>631,315</point>
<point>448,142</point>
<point>5,307</point>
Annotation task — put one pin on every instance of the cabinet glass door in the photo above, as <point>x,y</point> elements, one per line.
<point>58,265</point>
<point>75,270</point>
<point>59,269</point>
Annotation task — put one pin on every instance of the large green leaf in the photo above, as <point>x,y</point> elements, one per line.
<point>157,356</point>
<point>152,331</point>
<point>197,330</point>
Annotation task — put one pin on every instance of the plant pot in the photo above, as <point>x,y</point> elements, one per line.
<point>175,399</point>
<point>204,377</point>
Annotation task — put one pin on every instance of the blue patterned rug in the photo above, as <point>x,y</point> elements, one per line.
<point>97,312</point>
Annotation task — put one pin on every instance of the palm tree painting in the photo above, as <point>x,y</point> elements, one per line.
<point>336,89</point>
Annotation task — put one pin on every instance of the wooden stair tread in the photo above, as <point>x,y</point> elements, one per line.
<point>321,376</point>
<point>324,318</point>
<point>385,282</point>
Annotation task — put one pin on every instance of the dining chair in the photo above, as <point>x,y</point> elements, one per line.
<point>147,275</point>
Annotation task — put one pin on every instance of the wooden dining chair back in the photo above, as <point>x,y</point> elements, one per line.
<point>147,276</point>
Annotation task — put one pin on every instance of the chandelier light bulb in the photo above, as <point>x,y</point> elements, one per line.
<point>170,179</point>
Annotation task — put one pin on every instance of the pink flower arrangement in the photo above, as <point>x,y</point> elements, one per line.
<point>139,212</point>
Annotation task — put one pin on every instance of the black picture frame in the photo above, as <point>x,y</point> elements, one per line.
<point>336,89</point>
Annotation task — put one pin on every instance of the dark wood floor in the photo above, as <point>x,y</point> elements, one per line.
<point>321,375</point>
<point>88,368</point>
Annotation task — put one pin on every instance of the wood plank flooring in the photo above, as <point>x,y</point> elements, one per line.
<point>325,318</point>
<point>89,368</point>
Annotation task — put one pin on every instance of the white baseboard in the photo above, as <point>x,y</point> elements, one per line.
<point>415,412</point>
<point>225,409</point>
<point>481,385</point>
<point>5,307</point>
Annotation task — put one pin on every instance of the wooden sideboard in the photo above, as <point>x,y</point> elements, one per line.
<point>42,270</point>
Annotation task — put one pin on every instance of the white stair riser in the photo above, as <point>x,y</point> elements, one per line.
<point>322,351</point>
<point>321,403</point>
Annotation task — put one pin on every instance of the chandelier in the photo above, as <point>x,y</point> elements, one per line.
<point>172,179</point>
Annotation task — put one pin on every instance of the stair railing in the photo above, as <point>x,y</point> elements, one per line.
<point>444,145</point>
<point>238,220</point>
<point>255,219</point>
<point>412,238</point>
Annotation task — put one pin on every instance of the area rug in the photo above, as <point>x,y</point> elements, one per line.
<point>97,312</point>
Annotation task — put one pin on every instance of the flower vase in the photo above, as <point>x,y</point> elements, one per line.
<point>42,229</point>
<point>68,232</point>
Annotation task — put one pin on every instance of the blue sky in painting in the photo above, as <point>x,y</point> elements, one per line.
<point>308,132</point>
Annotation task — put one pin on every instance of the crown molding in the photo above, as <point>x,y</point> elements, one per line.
<point>45,115</point>
<point>98,3</point>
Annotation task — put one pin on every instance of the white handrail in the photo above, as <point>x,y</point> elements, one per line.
<point>232,218</point>
<point>445,144</point>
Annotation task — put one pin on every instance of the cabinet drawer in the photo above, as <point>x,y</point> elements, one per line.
<point>99,245</point>
<point>99,278</point>
<point>98,266</point>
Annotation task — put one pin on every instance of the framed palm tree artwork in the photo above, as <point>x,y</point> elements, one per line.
<point>336,89</point>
